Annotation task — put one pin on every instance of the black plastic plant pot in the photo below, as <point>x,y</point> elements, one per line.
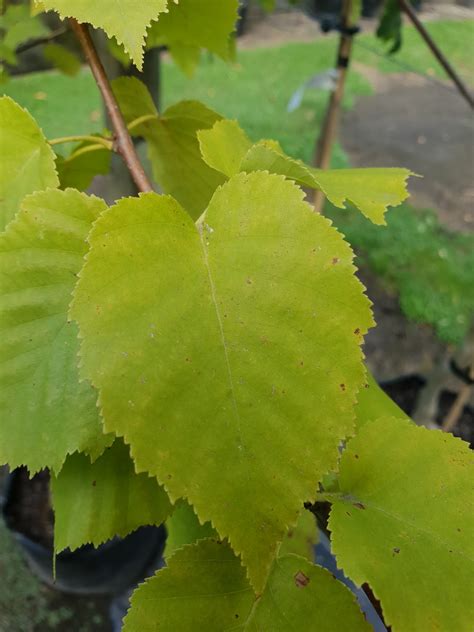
<point>110,568</point>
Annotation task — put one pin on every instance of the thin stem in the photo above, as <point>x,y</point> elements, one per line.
<point>41,40</point>
<point>140,120</point>
<point>97,140</point>
<point>84,150</point>
<point>123,141</point>
<point>406,7</point>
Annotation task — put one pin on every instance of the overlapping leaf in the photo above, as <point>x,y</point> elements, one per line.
<point>183,528</point>
<point>224,146</point>
<point>27,159</point>
<point>204,588</point>
<point>194,24</point>
<point>126,20</point>
<point>46,412</point>
<point>403,522</point>
<point>173,147</point>
<point>370,190</point>
<point>373,403</point>
<point>95,502</point>
<point>227,355</point>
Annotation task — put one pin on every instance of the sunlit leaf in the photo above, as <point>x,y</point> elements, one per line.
<point>126,20</point>
<point>373,403</point>
<point>226,334</point>
<point>224,146</point>
<point>403,522</point>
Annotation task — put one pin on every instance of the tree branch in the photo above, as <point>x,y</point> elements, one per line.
<point>123,141</point>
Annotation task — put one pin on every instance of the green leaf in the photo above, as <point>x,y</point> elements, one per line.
<point>194,24</point>
<point>62,58</point>
<point>403,523</point>
<point>389,29</point>
<point>204,588</point>
<point>80,168</point>
<point>226,335</point>
<point>27,159</point>
<point>173,146</point>
<point>373,403</point>
<point>224,146</point>
<point>301,539</point>
<point>370,190</point>
<point>95,502</point>
<point>183,527</point>
<point>126,20</point>
<point>46,412</point>
<point>20,26</point>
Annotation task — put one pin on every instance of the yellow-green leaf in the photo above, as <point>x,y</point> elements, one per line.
<point>45,412</point>
<point>94,502</point>
<point>126,20</point>
<point>224,146</point>
<point>226,354</point>
<point>27,159</point>
<point>204,588</point>
<point>373,403</point>
<point>370,190</point>
<point>403,522</point>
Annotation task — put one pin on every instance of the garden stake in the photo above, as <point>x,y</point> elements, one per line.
<point>326,140</point>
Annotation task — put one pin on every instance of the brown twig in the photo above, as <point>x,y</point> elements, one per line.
<point>41,40</point>
<point>326,140</point>
<point>406,7</point>
<point>123,144</point>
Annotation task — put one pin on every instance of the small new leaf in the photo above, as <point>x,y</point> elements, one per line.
<point>204,588</point>
<point>94,502</point>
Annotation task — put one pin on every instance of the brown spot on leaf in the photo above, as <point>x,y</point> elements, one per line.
<point>342,387</point>
<point>396,550</point>
<point>249,281</point>
<point>335,260</point>
<point>94,483</point>
<point>356,456</point>
<point>359,505</point>
<point>357,331</point>
<point>301,580</point>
